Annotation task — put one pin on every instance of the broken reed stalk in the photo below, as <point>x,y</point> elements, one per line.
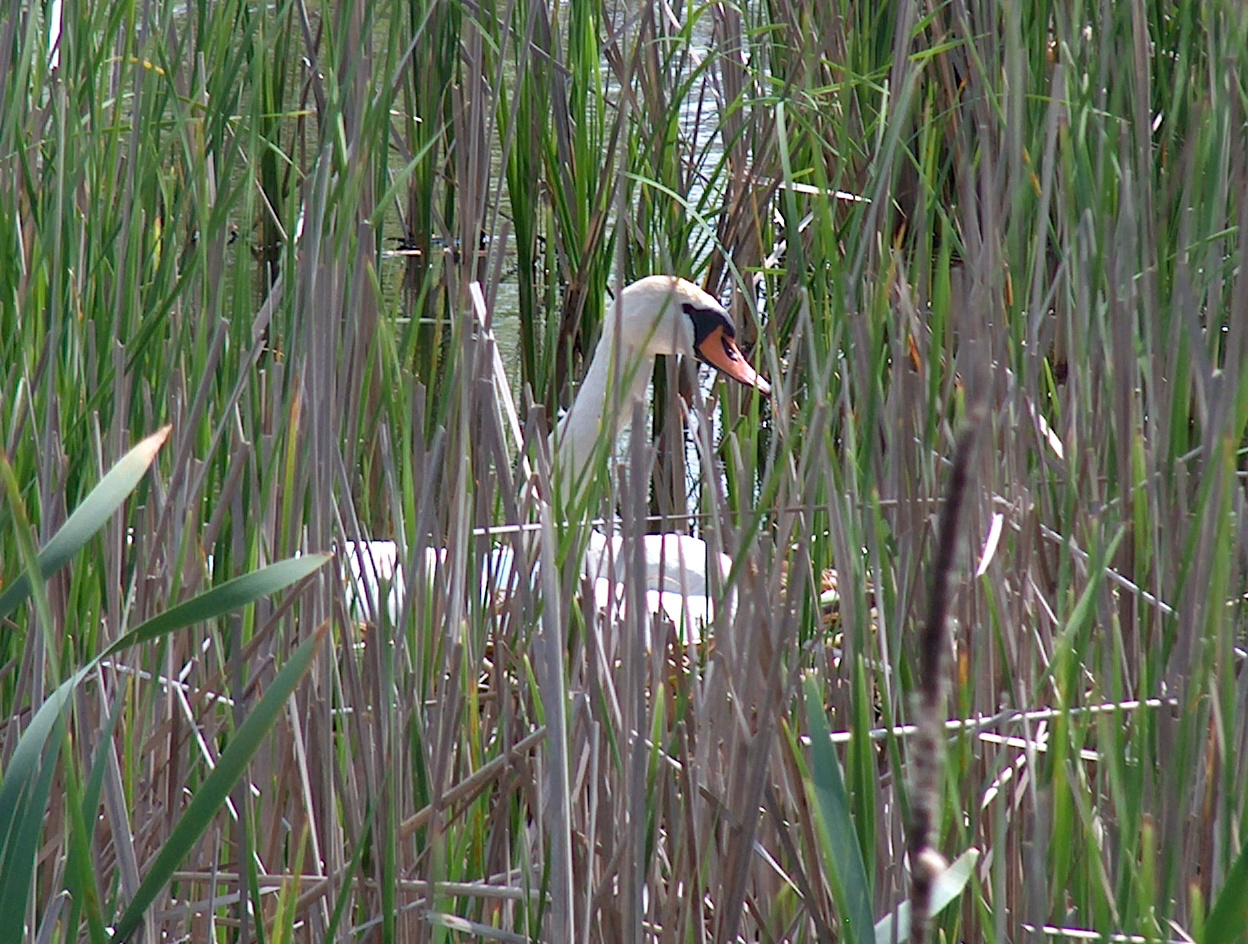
<point>926,862</point>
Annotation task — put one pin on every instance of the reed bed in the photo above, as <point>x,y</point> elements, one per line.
<point>303,237</point>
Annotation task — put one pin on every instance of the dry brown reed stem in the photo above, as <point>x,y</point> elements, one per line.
<point>472,785</point>
<point>926,863</point>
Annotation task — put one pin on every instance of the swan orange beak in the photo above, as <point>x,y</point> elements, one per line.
<point>720,351</point>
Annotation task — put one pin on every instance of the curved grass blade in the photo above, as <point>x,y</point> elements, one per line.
<point>849,875</point>
<point>217,785</point>
<point>228,596</point>
<point>948,886</point>
<point>89,516</point>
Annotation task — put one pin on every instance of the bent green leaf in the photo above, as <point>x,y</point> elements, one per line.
<point>89,516</point>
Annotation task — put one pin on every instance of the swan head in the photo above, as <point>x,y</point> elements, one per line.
<point>663,314</point>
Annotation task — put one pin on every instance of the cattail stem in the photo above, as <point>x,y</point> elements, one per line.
<point>926,863</point>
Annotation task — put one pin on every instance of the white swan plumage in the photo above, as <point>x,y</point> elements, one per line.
<point>660,314</point>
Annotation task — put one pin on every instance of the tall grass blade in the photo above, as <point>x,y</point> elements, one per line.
<point>850,884</point>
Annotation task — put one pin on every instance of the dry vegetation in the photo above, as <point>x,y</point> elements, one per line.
<point>260,225</point>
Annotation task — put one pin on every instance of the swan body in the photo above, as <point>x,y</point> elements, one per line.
<point>677,571</point>
<point>660,314</point>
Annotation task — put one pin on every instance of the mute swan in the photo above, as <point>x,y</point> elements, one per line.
<point>660,314</point>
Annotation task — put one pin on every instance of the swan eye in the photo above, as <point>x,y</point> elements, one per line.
<point>706,321</point>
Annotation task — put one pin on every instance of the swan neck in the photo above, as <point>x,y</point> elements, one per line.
<point>603,404</point>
